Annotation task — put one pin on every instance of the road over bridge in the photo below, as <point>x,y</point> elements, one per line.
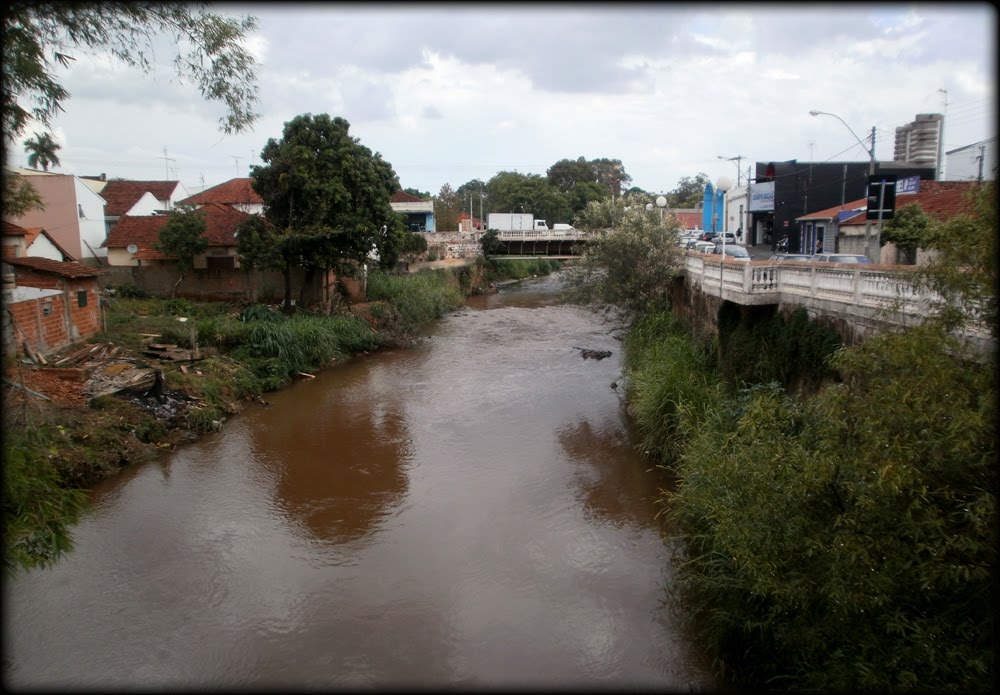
<point>857,300</point>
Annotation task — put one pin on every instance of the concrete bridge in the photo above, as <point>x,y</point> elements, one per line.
<point>543,242</point>
<point>856,300</point>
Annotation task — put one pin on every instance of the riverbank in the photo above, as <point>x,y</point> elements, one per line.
<point>165,371</point>
<point>835,537</point>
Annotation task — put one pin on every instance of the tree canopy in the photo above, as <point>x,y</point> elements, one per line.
<point>42,150</point>
<point>38,36</point>
<point>688,193</point>
<point>183,236</point>
<point>327,197</point>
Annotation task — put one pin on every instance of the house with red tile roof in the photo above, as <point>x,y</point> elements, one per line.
<point>133,240</point>
<point>418,213</point>
<point>19,242</point>
<point>844,225</point>
<point>51,304</point>
<point>138,198</point>
<point>73,215</point>
<point>236,193</point>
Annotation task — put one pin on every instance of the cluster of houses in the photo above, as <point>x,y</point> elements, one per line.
<point>56,259</point>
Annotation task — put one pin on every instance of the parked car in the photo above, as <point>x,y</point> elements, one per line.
<point>734,251</point>
<point>839,258</point>
<point>729,236</point>
<point>703,247</point>
<point>791,257</point>
<point>707,236</point>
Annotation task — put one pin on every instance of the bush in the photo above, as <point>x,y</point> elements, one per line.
<point>847,542</point>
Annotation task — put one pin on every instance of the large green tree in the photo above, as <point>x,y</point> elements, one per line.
<point>907,230</point>
<point>42,150</point>
<point>183,235</point>
<point>631,258</point>
<point>608,174</point>
<point>528,193</point>
<point>963,266</point>
<point>447,205</point>
<point>327,197</point>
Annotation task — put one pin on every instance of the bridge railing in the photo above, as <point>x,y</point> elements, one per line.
<point>541,234</point>
<point>760,282</point>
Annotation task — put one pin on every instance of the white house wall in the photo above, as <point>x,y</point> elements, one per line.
<point>146,206</point>
<point>42,247</point>
<point>92,225</point>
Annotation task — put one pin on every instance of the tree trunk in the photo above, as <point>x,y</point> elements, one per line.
<point>173,292</point>
<point>288,288</point>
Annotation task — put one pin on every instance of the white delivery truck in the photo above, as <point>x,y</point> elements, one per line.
<point>514,222</point>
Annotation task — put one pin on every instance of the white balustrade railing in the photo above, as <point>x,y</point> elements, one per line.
<point>541,234</point>
<point>794,281</point>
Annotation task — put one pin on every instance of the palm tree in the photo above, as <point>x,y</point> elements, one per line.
<point>42,150</point>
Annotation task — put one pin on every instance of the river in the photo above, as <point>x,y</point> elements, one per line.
<point>470,512</point>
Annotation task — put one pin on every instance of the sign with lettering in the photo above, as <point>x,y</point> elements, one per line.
<point>911,184</point>
<point>762,196</point>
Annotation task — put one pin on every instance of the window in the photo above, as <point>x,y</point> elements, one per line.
<point>47,308</point>
<point>81,298</point>
<point>80,208</point>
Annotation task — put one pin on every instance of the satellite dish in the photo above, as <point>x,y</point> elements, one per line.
<point>132,248</point>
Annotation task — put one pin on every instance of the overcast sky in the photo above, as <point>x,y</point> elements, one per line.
<point>448,93</point>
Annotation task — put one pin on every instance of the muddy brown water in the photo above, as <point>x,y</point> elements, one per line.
<point>470,512</point>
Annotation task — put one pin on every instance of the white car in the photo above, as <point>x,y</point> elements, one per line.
<point>702,247</point>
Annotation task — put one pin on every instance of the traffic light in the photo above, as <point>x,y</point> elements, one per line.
<point>881,197</point>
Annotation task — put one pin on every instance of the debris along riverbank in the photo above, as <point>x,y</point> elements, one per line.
<point>164,371</point>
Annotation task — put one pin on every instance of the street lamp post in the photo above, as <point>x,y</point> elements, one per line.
<point>877,256</point>
<point>722,185</point>
<point>661,202</point>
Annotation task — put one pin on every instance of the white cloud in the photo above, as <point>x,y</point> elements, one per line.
<point>451,94</point>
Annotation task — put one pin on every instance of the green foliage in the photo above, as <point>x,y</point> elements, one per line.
<point>688,193</point>
<point>907,229</point>
<point>42,150</point>
<point>847,542</point>
<point>630,260</point>
<point>19,196</point>
<point>963,270</point>
<point>127,290</point>
<point>766,346</point>
<point>183,236</point>
<point>39,35</point>
<point>490,243</point>
<point>38,506</point>
<point>412,301</point>
<point>503,269</point>
<point>672,387</point>
<point>529,193</point>
<point>413,244</point>
<point>447,206</point>
<point>257,244</point>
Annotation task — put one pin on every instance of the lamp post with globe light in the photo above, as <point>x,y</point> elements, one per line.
<point>723,185</point>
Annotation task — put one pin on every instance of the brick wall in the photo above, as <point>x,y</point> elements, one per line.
<point>53,322</point>
<point>216,284</point>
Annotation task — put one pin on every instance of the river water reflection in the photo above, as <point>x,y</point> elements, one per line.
<point>470,512</point>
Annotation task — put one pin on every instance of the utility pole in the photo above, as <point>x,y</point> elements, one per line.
<point>738,158</point>
<point>941,136</point>
<point>982,155</point>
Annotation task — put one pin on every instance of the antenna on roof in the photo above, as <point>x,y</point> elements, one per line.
<point>165,158</point>
<point>237,164</point>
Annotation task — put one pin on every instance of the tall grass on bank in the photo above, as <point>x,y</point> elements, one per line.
<point>410,302</point>
<point>504,269</point>
<point>672,384</point>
